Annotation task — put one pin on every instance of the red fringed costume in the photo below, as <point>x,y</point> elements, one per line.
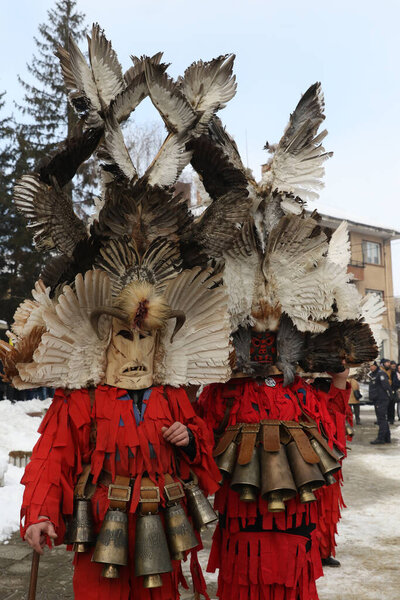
<point>262,555</point>
<point>128,442</point>
<point>330,498</point>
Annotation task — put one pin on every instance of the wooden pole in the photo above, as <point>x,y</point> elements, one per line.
<point>34,575</point>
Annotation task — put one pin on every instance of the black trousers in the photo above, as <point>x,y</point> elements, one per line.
<point>390,410</point>
<point>381,409</point>
<point>356,411</point>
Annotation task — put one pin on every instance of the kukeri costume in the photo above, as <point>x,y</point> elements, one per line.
<point>291,304</point>
<point>288,302</point>
<point>141,316</point>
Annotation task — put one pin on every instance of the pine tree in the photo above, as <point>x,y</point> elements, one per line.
<point>45,102</point>
<point>19,262</point>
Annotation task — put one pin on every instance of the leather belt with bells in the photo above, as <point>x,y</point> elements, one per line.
<point>119,493</point>
<point>271,435</point>
<point>150,494</point>
<point>249,433</point>
<point>302,442</point>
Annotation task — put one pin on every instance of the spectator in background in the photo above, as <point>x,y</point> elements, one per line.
<point>354,399</point>
<point>380,393</point>
<point>396,388</point>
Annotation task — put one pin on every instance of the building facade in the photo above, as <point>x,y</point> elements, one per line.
<point>371,265</point>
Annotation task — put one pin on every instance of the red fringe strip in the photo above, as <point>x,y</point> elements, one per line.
<point>264,566</point>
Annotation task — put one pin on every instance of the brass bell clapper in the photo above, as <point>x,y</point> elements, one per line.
<point>112,543</point>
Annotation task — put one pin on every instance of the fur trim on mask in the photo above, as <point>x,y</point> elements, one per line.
<point>146,309</point>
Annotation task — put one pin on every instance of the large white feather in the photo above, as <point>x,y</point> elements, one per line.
<point>107,72</point>
<point>372,309</point>
<point>199,353</point>
<point>297,164</point>
<point>71,354</point>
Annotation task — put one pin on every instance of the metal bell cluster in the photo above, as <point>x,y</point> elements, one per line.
<point>158,542</point>
<point>277,475</point>
<point>159,538</point>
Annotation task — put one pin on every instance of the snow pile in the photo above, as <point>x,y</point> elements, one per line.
<point>10,502</point>
<point>18,431</point>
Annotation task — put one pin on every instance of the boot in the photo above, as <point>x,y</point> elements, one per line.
<point>330,562</point>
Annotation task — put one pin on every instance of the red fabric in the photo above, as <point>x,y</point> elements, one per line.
<point>330,499</point>
<point>122,447</point>
<point>330,503</point>
<point>264,566</point>
<point>267,565</point>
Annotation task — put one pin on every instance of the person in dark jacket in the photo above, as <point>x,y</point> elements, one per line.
<point>380,393</point>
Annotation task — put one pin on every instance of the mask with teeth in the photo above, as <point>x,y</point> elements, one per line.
<point>130,357</point>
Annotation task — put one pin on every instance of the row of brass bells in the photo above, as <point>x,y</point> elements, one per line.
<point>112,543</point>
<point>80,527</point>
<point>277,483</point>
<point>199,507</point>
<point>327,463</point>
<point>151,550</point>
<point>307,477</point>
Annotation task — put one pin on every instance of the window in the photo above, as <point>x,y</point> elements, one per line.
<point>377,292</point>
<point>371,252</point>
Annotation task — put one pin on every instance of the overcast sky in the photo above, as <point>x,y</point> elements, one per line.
<point>281,48</point>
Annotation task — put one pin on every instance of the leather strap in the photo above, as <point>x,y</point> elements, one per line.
<point>312,430</point>
<point>249,433</point>
<point>119,493</point>
<point>229,436</point>
<point>270,435</point>
<point>228,394</point>
<point>302,442</point>
<point>84,488</point>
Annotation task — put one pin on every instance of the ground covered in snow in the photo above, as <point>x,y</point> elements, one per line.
<point>369,532</point>
<point>18,431</point>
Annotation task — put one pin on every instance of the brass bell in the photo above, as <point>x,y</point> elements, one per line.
<point>180,534</point>
<point>199,507</point>
<point>151,550</point>
<point>330,479</point>
<point>246,479</point>
<point>112,543</point>
<point>277,483</point>
<point>307,477</point>
<point>339,454</point>
<point>227,460</point>
<point>349,429</point>
<point>327,464</point>
<point>80,527</point>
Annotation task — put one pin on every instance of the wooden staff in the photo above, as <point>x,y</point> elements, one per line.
<point>34,575</point>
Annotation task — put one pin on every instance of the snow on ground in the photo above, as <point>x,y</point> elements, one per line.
<point>369,532</point>
<point>18,431</point>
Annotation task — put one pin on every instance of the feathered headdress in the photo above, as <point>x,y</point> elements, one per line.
<point>143,258</point>
<point>281,271</point>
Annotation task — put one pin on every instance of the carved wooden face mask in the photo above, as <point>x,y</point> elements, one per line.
<point>130,357</point>
<point>263,347</point>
